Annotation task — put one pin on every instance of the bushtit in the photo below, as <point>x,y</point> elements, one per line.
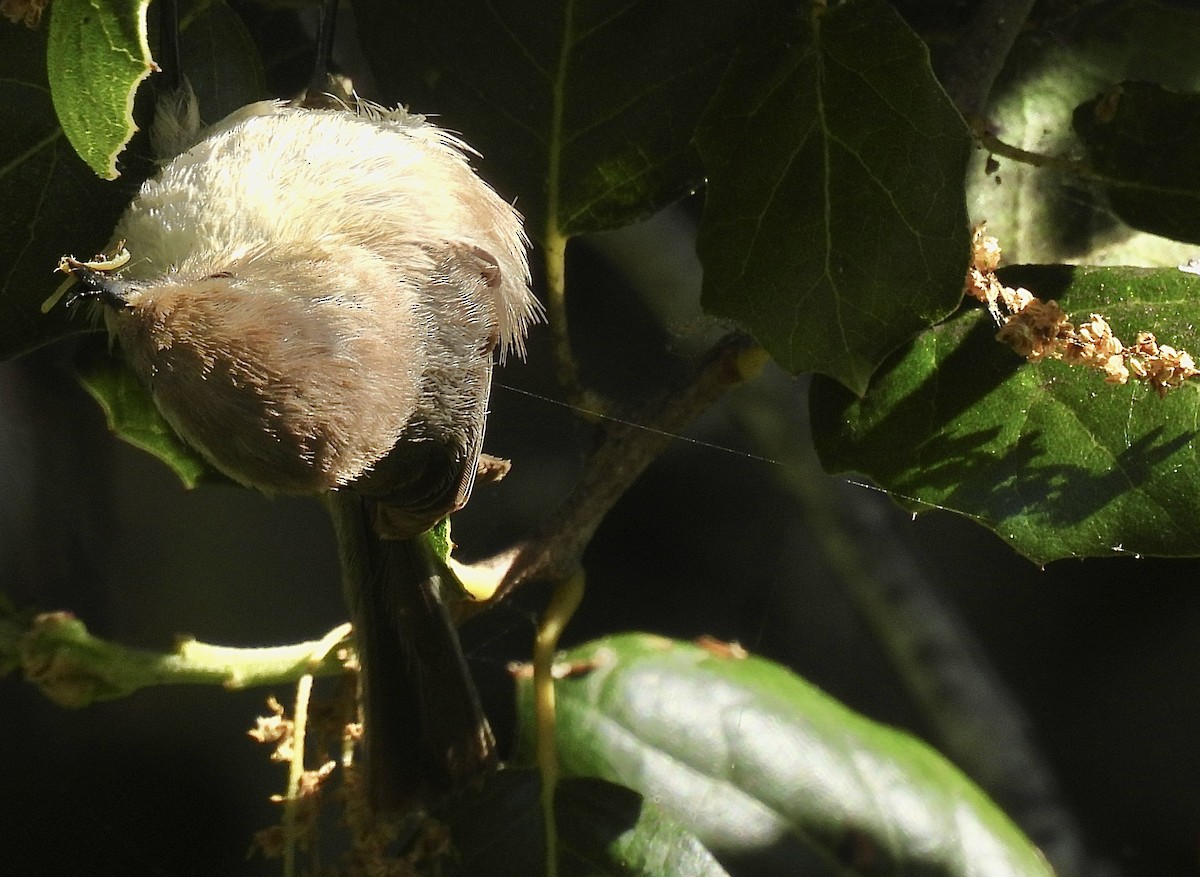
<point>314,298</point>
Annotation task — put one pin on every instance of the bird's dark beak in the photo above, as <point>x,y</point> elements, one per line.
<point>110,290</point>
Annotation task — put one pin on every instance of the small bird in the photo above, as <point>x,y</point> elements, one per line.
<point>315,299</point>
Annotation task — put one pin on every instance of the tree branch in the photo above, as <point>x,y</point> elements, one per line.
<point>627,445</point>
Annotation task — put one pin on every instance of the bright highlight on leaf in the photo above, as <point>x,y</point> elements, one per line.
<point>755,758</point>
<point>97,57</point>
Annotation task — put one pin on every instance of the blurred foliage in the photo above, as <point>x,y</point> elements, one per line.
<point>749,755</point>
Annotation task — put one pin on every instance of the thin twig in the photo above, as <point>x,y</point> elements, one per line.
<point>291,801</point>
<point>74,668</point>
<point>626,447</point>
<point>563,603</point>
<point>996,146</point>
<point>1063,164</point>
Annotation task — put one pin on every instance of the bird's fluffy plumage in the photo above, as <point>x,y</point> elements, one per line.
<point>310,288</point>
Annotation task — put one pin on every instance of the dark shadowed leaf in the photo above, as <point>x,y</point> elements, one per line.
<point>604,830</point>
<point>1144,138</point>
<point>750,756</point>
<point>1054,460</point>
<point>834,226</point>
<point>219,58</point>
<point>583,111</point>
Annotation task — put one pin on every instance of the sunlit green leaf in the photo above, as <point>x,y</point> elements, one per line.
<point>55,205</point>
<point>753,758</point>
<point>834,225</point>
<point>223,69</point>
<point>97,57</point>
<point>1049,456</point>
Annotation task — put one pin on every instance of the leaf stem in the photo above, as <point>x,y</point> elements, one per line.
<point>555,245</point>
<point>1060,163</point>
<point>554,240</point>
<point>563,603</point>
<point>1036,159</point>
<point>291,802</point>
<point>73,668</point>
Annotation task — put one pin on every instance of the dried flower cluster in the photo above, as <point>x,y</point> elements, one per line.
<point>279,730</point>
<point>27,12</point>
<point>1039,330</point>
<point>372,838</point>
<point>275,728</point>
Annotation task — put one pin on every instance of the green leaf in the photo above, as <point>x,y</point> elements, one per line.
<point>219,58</point>
<point>54,205</point>
<point>1144,138</point>
<point>749,756</point>
<point>834,226</point>
<point>604,830</point>
<point>133,416</point>
<point>97,57</point>
<point>1054,460</point>
<point>583,110</point>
